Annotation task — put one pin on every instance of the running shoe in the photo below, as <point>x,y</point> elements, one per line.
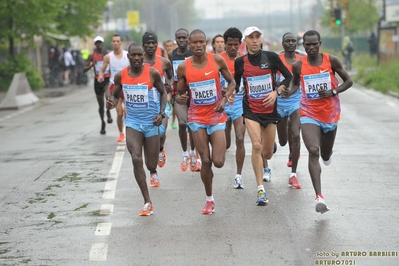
<point>193,164</point>
<point>121,137</point>
<point>161,159</point>
<point>209,208</point>
<point>293,182</point>
<point>238,182</point>
<point>154,180</point>
<point>262,198</point>
<point>321,205</point>
<point>184,164</point>
<point>199,165</point>
<point>328,162</point>
<point>102,132</point>
<point>109,120</point>
<point>174,126</point>
<point>267,174</point>
<point>146,210</point>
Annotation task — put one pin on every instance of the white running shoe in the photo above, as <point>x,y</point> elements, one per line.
<point>238,182</point>
<point>267,174</point>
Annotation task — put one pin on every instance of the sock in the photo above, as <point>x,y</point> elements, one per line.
<point>210,198</point>
<point>185,153</point>
<point>238,175</point>
<point>192,153</point>
<point>261,187</point>
<point>292,174</point>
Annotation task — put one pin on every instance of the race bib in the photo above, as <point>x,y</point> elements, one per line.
<point>176,64</point>
<point>99,65</point>
<point>259,86</point>
<point>136,96</point>
<point>203,92</point>
<point>315,83</point>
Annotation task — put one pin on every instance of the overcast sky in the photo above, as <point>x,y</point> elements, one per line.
<point>216,8</point>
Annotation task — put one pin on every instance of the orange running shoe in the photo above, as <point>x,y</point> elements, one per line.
<point>154,180</point>
<point>294,183</point>
<point>146,210</point>
<point>209,208</point>
<point>161,159</point>
<point>198,166</point>
<point>121,137</point>
<point>193,164</point>
<point>184,163</point>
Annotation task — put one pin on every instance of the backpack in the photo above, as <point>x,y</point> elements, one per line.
<point>350,48</point>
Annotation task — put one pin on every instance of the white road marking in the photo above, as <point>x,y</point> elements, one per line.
<point>103,229</point>
<point>98,252</point>
<point>110,184</point>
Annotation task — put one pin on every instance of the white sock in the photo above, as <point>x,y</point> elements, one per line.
<point>261,187</point>
<point>292,174</point>
<point>210,198</point>
<point>192,153</point>
<point>185,153</point>
<point>237,175</point>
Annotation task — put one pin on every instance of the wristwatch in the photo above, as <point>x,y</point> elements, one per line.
<point>334,92</point>
<point>163,114</point>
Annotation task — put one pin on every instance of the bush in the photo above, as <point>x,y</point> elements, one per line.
<point>19,63</point>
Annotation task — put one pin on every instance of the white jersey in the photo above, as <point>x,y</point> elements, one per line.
<point>117,64</point>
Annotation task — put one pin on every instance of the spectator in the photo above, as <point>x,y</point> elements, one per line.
<point>69,64</point>
<point>347,49</point>
<point>373,44</point>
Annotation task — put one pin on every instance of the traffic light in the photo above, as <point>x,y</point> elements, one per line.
<point>338,16</point>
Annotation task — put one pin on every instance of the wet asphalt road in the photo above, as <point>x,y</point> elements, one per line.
<point>68,196</point>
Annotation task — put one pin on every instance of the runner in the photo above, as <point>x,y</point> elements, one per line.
<point>163,65</point>
<point>177,56</point>
<point>232,38</point>
<point>289,127</point>
<point>206,117</point>
<point>116,61</point>
<point>218,44</point>
<point>319,106</point>
<point>141,85</point>
<point>95,60</point>
<point>259,109</point>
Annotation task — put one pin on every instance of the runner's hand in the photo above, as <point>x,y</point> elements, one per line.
<point>182,99</point>
<point>110,103</point>
<point>270,99</point>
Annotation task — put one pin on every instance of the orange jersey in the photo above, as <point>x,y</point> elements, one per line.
<point>288,66</point>
<point>159,51</point>
<point>205,92</point>
<point>158,66</point>
<point>314,79</point>
<point>229,62</point>
<point>141,98</point>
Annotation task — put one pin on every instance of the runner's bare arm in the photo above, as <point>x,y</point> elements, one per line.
<point>294,85</point>
<point>337,67</point>
<point>112,100</point>
<point>89,63</point>
<point>157,81</point>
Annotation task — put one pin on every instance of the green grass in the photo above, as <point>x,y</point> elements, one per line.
<point>383,77</point>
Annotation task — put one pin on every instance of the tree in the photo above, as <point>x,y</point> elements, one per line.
<point>357,11</point>
<point>21,20</point>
